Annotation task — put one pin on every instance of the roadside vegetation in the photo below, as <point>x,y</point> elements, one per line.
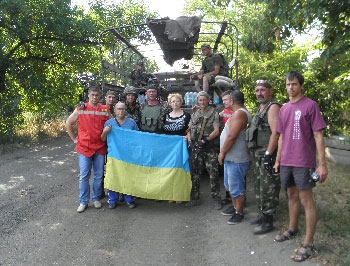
<point>332,238</point>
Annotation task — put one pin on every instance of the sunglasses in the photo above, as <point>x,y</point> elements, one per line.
<point>261,81</point>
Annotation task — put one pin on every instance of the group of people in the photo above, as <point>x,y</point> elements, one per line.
<point>280,141</point>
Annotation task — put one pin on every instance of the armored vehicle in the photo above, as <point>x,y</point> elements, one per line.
<point>178,42</point>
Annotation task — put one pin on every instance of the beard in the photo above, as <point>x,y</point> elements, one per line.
<point>262,100</point>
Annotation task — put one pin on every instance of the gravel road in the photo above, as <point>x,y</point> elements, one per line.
<point>40,225</point>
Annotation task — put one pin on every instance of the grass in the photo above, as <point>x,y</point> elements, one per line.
<point>332,238</point>
<point>34,130</point>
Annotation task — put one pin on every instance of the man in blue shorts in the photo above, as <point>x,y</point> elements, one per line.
<point>235,156</point>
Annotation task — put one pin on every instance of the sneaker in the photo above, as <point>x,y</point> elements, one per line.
<point>229,211</point>
<point>131,205</point>
<point>97,204</point>
<point>192,203</point>
<point>236,218</point>
<point>218,205</point>
<point>82,207</point>
<point>121,197</point>
<point>112,206</point>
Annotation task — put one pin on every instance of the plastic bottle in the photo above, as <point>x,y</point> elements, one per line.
<point>195,94</point>
<point>190,96</point>
<point>186,98</point>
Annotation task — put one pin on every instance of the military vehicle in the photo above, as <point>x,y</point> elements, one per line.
<point>177,42</point>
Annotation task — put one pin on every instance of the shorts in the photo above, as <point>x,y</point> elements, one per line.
<point>211,79</point>
<point>300,177</point>
<point>234,175</point>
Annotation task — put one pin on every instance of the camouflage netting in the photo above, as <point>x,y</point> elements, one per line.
<point>176,37</point>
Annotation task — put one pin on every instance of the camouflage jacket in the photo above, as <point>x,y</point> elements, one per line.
<point>134,112</point>
<point>209,63</point>
<point>140,78</point>
<point>196,125</point>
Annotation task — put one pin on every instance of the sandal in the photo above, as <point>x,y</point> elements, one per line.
<point>283,236</point>
<point>301,256</point>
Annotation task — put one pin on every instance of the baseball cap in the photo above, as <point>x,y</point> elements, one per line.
<point>206,45</point>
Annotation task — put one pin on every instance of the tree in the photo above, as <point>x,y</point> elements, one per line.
<point>44,45</point>
<point>267,29</point>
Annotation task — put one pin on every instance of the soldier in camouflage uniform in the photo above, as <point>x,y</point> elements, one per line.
<point>110,99</point>
<point>262,139</point>
<point>212,65</point>
<point>153,111</point>
<point>133,109</point>
<point>203,139</point>
<point>139,77</point>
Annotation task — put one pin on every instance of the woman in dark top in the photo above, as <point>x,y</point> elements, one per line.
<point>176,122</point>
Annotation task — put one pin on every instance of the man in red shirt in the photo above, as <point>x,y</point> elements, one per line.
<point>90,118</point>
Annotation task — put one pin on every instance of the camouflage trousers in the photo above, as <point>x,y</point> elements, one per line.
<point>209,160</point>
<point>267,188</point>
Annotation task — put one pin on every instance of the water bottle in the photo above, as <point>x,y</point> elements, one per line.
<point>141,99</point>
<point>195,98</point>
<point>190,96</point>
<point>186,98</point>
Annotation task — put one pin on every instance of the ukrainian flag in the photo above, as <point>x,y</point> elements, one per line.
<point>147,165</point>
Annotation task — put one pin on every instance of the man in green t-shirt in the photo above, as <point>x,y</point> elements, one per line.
<point>212,65</point>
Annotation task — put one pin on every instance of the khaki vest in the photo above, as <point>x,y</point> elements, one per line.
<point>259,132</point>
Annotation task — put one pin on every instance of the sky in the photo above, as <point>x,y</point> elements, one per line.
<point>172,9</point>
<point>165,8</point>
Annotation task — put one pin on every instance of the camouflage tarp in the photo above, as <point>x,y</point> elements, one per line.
<point>176,37</point>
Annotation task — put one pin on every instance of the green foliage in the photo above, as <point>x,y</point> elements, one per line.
<point>267,31</point>
<point>45,44</point>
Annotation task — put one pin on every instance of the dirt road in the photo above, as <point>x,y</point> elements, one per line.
<point>40,225</point>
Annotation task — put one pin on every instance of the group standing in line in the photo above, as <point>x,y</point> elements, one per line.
<point>281,141</point>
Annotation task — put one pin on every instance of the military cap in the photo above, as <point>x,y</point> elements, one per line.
<point>206,45</point>
<point>130,90</point>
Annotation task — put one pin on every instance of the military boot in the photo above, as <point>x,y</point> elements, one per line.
<point>265,226</point>
<point>257,220</point>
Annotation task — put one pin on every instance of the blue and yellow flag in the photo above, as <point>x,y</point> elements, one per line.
<point>147,165</point>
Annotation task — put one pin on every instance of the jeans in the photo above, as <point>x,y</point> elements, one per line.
<point>234,177</point>
<point>96,162</point>
<point>113,197</point>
